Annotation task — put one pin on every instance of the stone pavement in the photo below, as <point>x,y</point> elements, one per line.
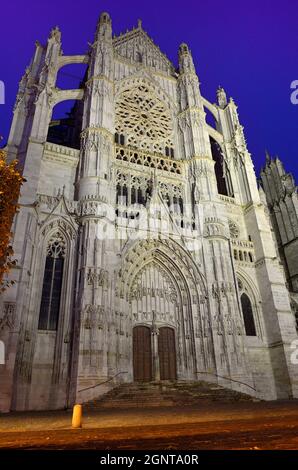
<point>241,425</point>
<point>206,421</point>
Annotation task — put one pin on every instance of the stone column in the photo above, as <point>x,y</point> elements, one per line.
<point>155,355</point>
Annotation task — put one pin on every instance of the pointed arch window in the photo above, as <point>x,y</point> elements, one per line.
<point>249,323</point>
<point>139,57</point>
<point>52,285</point>
<point>133,198</point>
<point>222,173</point>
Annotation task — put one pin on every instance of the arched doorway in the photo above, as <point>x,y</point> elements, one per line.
<point>142,354</point>
<point>159,287</point>
<point>167,354</point>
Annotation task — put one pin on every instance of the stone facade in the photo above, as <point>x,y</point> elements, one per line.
<point>282,202</point>
<point>155,225</point>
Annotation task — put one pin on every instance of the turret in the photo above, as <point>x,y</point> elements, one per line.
<point>95,188</point>
<point>24,106</point>
<point>101,49</point>
<point>240,163</point>
<point>33,111</point>
<point>195,138</point>
<point>98,120</point>
<point>104,27</point>
<point>186,64</point>
<point>193,135</point>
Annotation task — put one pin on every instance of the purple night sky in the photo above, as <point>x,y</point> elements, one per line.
<point>249,48</point>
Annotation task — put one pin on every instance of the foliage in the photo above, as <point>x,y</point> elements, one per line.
<point>10,184</point>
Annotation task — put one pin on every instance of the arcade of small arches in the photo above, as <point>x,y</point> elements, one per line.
<point>240,255</point>
<point>134,189</point>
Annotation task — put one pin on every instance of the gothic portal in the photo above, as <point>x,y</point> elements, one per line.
<point>144,251</point>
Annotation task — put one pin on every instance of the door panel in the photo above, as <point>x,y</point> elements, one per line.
<point>167,354</point>
<point>142,354</point>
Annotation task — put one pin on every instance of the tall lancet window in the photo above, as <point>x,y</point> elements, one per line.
<point>249,323</point>
<point>52,285</point>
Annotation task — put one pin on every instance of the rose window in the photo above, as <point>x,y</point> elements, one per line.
<point>144,120</point>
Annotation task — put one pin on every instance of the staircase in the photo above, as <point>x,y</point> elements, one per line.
<point>153,394</point>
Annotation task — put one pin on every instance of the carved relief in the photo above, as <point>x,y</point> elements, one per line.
<point>98,277</point>
<point>161,287</point>
<point>94,138</point>
<point>234,229</point>
<point>7,321</point>
<point>221,289</point>
<point>59,223</point>
<point>52,201</point>
<point>214,227</point>
<point>93,316</point>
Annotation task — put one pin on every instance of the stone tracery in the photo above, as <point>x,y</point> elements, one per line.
<point>144,119</point>
<point>56,246</point>
<point>154,288</point>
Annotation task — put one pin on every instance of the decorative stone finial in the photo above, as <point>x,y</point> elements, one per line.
<point>55,34</point>
<point>183,48</point>
<point>185,59</point>
<point>268,158</point>
<point>104,17</point>
<point>221,97</point>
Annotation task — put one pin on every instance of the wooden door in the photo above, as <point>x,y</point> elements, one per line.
<point>167,354</point>
<point>142,354</point>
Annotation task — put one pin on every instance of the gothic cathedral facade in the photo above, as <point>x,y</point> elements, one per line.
<point>145,253</point>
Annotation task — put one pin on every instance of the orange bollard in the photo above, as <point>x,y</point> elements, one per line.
<point>77,417</point>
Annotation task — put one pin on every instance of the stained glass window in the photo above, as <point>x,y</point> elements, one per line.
<point>52,286</point>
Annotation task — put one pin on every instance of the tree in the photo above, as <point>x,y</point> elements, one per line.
<point>10,184</point>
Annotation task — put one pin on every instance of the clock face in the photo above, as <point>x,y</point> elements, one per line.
<point>144,119</point>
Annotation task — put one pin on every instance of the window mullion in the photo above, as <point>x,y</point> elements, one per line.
<point>51,293</point>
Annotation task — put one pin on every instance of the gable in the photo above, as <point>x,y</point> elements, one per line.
<point>136,46</point>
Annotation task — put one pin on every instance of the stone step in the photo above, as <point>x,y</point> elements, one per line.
<point>152,394</point>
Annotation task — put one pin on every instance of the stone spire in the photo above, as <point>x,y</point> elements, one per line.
<point>192,118</point>
<point>104,27</point>
<point>102,49</point>
<point>268,157</point>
